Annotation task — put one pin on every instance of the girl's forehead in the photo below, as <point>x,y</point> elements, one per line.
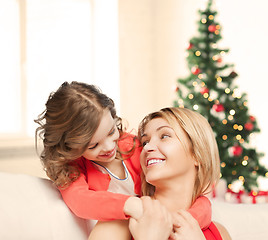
<point>106,124</point>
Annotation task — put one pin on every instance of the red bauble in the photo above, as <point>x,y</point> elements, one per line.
<point>249,126</point>
<point>212,28</point>
<point>233,74</point>
<point>252,119</point>
<point>190,46</point>
<point>204,90</point>
<point>218,107</point>
<point>219,60</point>
<point>236,150</point>
<point>195,70</point>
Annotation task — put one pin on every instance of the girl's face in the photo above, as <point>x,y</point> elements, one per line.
<point>164,157</point>
<point>103,145</point>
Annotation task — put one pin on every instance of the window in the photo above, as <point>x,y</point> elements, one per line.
<point>46,42</point>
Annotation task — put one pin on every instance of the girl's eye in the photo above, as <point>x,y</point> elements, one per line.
<point>90,148</point>
<point>112,132</point>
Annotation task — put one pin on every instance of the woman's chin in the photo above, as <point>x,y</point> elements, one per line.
<point>153,178</point>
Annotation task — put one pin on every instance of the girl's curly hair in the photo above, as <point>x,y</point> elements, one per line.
<point>71,117</point>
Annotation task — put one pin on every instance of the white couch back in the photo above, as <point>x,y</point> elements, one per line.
<point>31,208</point>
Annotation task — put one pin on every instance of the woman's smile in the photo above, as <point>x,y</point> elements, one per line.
<point>153,161</point>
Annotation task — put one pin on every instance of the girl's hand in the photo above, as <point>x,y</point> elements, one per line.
<point>155,223</point>
<point>133,207</point>
<point>185,227</point>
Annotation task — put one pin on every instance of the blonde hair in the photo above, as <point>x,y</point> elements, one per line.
<point>71,117</point>
<point>203,146</point>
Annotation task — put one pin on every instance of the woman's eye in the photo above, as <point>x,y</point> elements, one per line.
<point>144,143</point>
<point>164,136</point>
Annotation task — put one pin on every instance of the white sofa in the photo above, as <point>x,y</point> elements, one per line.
<point>31,208</point>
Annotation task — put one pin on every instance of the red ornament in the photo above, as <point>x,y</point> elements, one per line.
<point>212,28</point>
<point>252,119</point>
<point>177,89</point>
<point>233,74</point>
<point>204,90</point>
<point>190,46</point>
<point>219,60</point>
<point>236,150</point>
<point>195,70</point>
<point>218,107</point>
<point>249,126</point>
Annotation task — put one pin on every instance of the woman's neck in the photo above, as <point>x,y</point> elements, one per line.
<point>176,196</point>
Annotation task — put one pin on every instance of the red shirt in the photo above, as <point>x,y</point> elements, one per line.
<point>88,197</point>
<point>212,233</point>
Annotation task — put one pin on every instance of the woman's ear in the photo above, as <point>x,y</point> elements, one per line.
<point>196,163</point>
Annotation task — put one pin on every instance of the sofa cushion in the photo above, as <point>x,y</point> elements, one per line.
<point>243,221</point>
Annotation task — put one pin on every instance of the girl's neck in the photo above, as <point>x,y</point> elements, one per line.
<point>116,167</point>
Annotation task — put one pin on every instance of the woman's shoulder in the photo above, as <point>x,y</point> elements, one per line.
<point>223,231</point>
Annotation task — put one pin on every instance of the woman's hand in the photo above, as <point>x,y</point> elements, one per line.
<point>185,227</point>
<point>154,224</point>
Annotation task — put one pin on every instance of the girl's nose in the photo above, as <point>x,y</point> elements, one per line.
<point>109,144</point>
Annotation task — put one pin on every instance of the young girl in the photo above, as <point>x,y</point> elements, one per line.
<point>180,162</point>
<point>88,156</point>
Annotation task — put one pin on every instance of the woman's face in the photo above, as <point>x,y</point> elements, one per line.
<point>164,157</point>
<point>103,145</point>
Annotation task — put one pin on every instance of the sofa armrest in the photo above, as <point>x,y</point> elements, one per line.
<point>32,208</point>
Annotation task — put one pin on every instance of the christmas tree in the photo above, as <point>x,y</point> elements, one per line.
<point>210,90</point>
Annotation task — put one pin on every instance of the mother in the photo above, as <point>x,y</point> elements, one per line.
<point>180,162</point>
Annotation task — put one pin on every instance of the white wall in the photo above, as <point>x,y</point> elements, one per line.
<point>149,45</point>
<point>245,32</point>
<point>153,35</point>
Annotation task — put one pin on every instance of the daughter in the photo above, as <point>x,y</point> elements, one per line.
<point>88,156</point>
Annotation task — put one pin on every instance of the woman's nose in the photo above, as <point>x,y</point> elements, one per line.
<point>149,147</point>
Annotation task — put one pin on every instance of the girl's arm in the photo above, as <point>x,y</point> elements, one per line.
<point>90,204</point>
<point>118,229</point>
<point>201,211</point>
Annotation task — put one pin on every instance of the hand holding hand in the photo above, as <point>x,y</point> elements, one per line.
<point>155,223</point>
<point>185,227</point>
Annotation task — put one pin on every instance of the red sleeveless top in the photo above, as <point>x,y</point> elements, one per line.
<point>212,233</point>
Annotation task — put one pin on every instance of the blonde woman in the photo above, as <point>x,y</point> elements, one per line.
<point>180,162</point>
